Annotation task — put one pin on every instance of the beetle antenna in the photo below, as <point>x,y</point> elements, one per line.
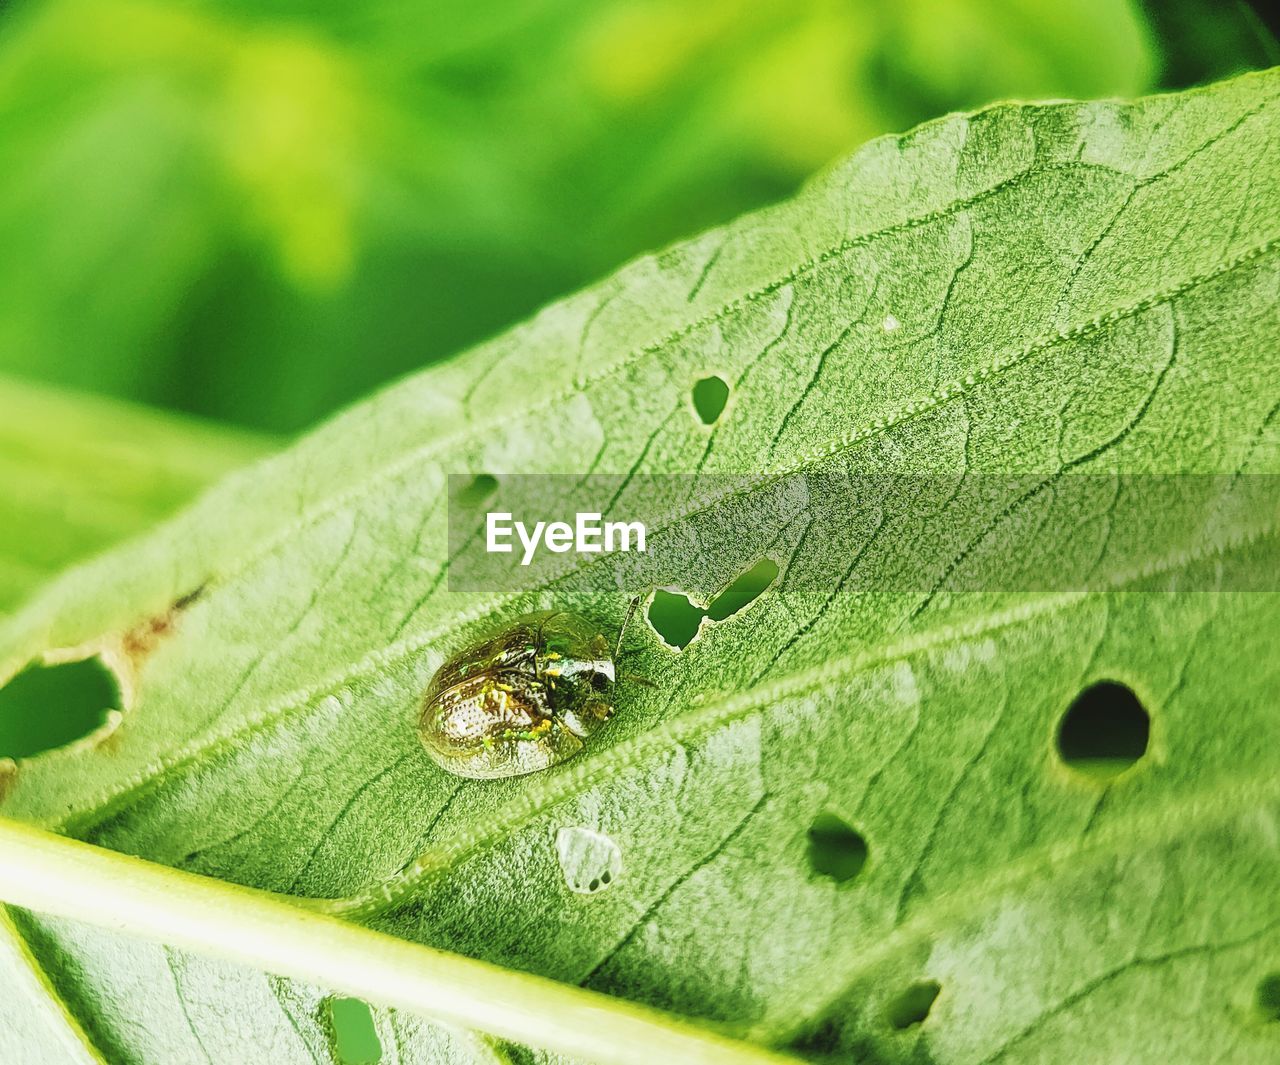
<point>631,612</point>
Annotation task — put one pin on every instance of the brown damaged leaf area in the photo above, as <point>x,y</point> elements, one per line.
<point>140,641</point>
<point>126,655</point>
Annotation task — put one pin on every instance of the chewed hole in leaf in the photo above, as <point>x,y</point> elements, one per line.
<point>355,1039</point>
<point>709,398</point>
<point>1104,731</point>
<point>912,1006</point>
<point>589,860</point>
<point>1268,997</point>
<point>676,618</point>
<point>50,706</point>
<point>835,848</point>
<point>743,591</point>
<point>481,487</point>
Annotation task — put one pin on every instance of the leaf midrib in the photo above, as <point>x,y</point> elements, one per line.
<point>179,910</point>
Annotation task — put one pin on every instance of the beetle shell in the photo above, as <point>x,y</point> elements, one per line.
<point>522,699</point>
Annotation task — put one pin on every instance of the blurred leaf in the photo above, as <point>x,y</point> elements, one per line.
<point>78,473</point>
<point>1203,40</point>
<point>842,821</point>
<point>257,212</point>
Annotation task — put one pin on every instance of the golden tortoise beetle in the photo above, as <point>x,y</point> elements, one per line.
<point>523,698</point>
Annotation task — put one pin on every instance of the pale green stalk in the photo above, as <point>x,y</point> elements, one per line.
<point>57,875</point>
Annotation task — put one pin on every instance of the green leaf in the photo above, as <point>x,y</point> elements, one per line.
<point>1032,290</point>
<point>239,924</point>
<point>79,473</point>
<point>36,1024</point>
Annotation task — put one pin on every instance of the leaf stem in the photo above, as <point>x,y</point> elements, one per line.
<point>57,875</point>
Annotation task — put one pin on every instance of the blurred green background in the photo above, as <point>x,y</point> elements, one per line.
<point>257,211</point>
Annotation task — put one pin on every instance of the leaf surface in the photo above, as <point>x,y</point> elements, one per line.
<point>1032,290</point>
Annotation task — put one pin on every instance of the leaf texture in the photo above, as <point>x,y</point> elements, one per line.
<point>1039,290</point>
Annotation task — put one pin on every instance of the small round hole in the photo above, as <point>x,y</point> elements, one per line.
<point>355,1037</point>
<point>482,486</point>
<point>1104,731</point>
<point>709,397</point>
<point>1269,997</point>
<point>50,706</point>
<point>835,849</point>
<point>913,1005</point>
